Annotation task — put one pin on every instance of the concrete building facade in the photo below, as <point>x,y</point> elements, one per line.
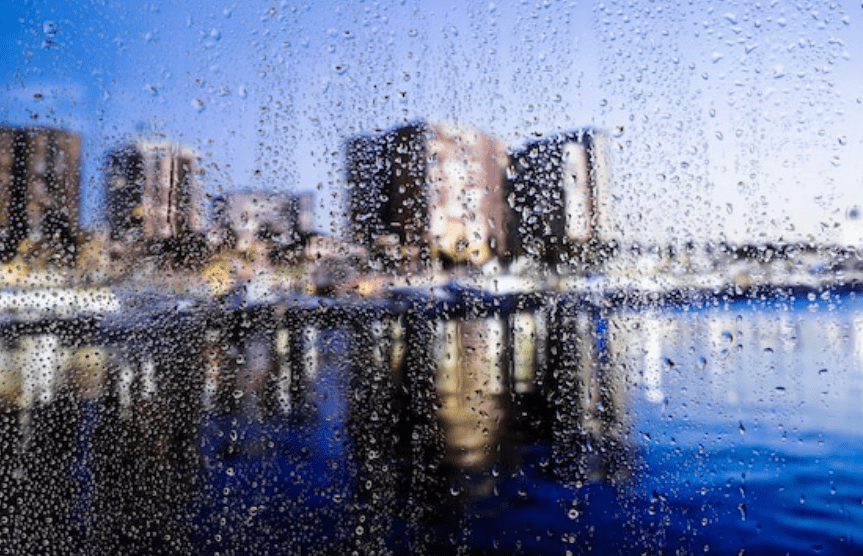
<point>153,191</point>
<point>555,187</point>
<point>433,191</point>
<point>40,181</point>
<point>265,218</point>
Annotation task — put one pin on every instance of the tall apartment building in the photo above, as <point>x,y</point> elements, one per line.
<point>40,181</point>
<point>555,188</point>
<point>152,192</point>
<point>430,191</point>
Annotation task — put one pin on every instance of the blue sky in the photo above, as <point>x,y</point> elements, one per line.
<point>727,119</point>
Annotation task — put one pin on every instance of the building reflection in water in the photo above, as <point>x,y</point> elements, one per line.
<point>158,401</point>
<point>472,390</point>
<point>447,391</point>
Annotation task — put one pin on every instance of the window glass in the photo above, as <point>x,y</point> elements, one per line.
<point>509,277</point>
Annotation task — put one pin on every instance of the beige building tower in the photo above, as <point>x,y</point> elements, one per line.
<point>428,191</point>
<point>152,191</point>
<point>40,180</point>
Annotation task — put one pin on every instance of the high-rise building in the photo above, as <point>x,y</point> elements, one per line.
<point>152,192</point>
<point>40,179</point>
<point>431,189</point>
<point>555,186</point>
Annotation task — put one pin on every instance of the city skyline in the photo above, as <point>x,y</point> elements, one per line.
<point>722,117</point>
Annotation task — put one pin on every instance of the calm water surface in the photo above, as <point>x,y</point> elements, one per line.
<point>742,424</point>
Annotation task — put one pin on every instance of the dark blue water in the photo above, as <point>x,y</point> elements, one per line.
<point>743,428</point>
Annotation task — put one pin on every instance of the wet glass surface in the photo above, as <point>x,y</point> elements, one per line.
<point>511,277</point>
<point>721,424</point>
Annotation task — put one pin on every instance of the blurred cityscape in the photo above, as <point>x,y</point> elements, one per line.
<point>477,308</point>
<point>426,204</point>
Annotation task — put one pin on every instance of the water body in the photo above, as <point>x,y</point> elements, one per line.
<point>747,420</point>
<point>737,429</point>
<point>742,429</point>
